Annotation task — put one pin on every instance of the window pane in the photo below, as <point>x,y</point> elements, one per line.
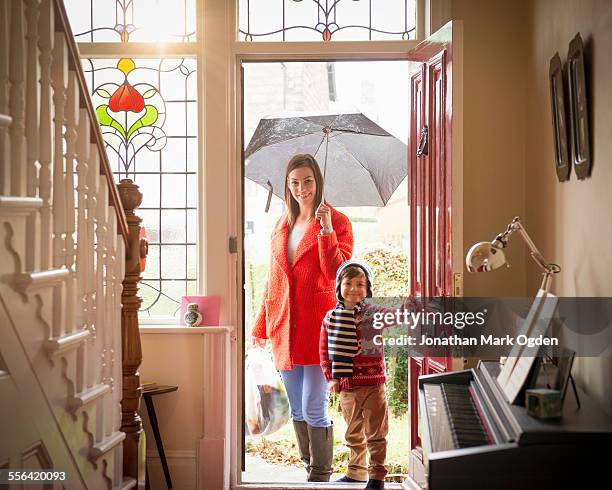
<point>150,187</point>
<point>150,220</point>
<point>173,262</point>
<point>191,259</point>
<point>145,111</point>
<point>132,20</point>
<point>174,193</point>
<point>152,267</point>
<point>321,20</point>
<point>192,226</point>
<point>173,226</point>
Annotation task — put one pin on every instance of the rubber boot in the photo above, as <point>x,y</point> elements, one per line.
<point>321,452</point>
<point>303,442</point>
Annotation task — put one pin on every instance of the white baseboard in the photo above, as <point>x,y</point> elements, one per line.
<point>182,465</point>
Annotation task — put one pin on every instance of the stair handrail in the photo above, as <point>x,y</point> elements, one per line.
<point>61,19</point>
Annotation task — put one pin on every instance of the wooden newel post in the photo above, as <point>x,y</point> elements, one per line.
<point>134,451</point>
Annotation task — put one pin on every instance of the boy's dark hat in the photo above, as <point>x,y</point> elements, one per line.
<point>354,263</point>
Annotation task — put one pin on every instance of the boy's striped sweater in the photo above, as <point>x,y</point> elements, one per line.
<point>369,363</point>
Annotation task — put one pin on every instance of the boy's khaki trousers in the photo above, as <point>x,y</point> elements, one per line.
<point>365,411</point>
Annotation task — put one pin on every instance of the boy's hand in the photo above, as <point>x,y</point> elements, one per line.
<point>323,214</point>
<point>334,386</point>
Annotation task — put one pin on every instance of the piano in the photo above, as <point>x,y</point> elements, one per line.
<point>473,438</point>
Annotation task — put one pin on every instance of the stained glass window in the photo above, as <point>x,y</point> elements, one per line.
<point>147,109</point>
<point>326,20</point>
<point>132,20</point>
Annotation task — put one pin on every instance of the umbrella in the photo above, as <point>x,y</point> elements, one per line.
<point>362,163</point>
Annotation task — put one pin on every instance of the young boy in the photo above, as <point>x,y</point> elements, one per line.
<point>355,367</point>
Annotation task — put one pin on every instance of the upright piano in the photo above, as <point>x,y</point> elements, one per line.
<point>473,438</point>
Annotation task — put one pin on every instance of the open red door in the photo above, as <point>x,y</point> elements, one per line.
<point>430,177</point>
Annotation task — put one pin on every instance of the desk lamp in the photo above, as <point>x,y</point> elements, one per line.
<point>487,256</point>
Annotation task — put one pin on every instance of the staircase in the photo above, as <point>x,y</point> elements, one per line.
<point>64,240</point>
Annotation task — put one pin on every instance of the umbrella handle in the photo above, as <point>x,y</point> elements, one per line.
<point>324,167</point>
<point>269,196</point>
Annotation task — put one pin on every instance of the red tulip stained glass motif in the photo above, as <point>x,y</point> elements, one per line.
<point>131,114</point>
<point>126,98</point>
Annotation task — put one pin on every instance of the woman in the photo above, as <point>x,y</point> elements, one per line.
<point>308,245</point>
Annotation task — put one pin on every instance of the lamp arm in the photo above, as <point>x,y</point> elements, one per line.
<point>516,225</point>
<point>547,267</point>
<point>535,253</point>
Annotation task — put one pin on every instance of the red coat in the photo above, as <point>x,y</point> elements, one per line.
<point>297,296</point>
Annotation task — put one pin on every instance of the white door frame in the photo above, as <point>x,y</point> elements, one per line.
<point>292,52</point>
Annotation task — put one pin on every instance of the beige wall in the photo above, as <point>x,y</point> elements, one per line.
<point>571,222</point>
<point>508,152</point>
<point>494,103</point>
<point>174,359</point>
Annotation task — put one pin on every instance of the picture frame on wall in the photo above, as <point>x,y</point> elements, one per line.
<point>580,136</point>
<point>559,119</point>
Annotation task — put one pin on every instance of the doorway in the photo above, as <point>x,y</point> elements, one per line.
<point>379,90</point>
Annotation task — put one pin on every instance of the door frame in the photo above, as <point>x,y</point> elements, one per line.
<point>338,55</point>
<point>276,52</point>
<point>446,43</point>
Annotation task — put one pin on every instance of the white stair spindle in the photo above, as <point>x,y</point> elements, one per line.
<point>82,246</point>
<point>83,268</point>
<point>5,158</point>
<point>32,113</point>
<point>60,73</point>
<point>32,98</point>
<point>17,100</point>
<point>93,180</point>
<point>118,372</point>
<point>101,233</point>
<point>45,43</point>
<point>59,76</point>
<point>72,120</point>
<point>101,293</point>
<point>109,328</point>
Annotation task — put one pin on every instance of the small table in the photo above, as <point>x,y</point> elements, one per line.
<point>148,392</point>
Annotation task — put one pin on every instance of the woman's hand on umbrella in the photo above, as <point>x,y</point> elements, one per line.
<point>323,214</point>
<point>257,342</point>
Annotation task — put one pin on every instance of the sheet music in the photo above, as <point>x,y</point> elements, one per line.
<point>516,369</point>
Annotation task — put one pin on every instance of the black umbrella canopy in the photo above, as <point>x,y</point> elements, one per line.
<point>363,164</point>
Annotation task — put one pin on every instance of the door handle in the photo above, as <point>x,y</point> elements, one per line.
<point>424,142</point>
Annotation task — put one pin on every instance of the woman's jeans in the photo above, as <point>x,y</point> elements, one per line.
<point>307,391</point>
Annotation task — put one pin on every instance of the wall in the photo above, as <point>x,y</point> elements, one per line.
<point>174,359</point>
<point>194,422</point>
<point>494,104</point>
<point>571,222</point>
